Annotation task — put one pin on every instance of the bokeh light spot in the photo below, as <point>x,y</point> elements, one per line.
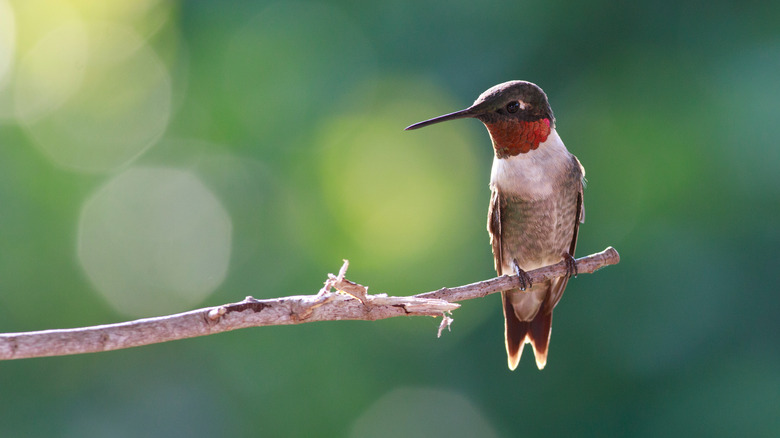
<point>24,22</point>
<point>7,41</point>
<point>51,72</point>
<point>154,240</point>
<point>397,194</point>
<point>422,412</point>
<point>93,96</point>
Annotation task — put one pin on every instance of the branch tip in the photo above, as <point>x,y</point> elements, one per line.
<point>446,321</point>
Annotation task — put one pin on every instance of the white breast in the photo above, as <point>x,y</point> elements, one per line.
<point>531,175</point>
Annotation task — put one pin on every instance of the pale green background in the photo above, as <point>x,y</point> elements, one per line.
<point>157,156</point>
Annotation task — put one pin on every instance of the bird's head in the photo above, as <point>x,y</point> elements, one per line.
<point>516,114</point>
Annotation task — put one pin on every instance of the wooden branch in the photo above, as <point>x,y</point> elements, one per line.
<point>350,301</point>
<point>585,265</point>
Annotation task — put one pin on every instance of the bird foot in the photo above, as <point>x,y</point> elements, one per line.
<point>571,265</point>
<point>525,279</point>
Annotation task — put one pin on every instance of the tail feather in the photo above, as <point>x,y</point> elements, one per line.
<point>539,335</point>
<point>517,333</point>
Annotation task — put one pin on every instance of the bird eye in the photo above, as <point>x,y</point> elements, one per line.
<point>512,107</point>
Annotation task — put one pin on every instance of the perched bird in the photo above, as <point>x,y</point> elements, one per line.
<point>535,207</point>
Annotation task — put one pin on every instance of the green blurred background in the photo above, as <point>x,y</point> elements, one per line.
<point>159,156</point>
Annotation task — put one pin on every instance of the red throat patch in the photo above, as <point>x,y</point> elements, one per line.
<point>513,137</point>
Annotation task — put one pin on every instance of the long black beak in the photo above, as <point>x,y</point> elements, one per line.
<point>462,114</point>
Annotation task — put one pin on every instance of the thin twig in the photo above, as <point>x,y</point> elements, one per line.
<point>585,265</point>
<point>350,301</point>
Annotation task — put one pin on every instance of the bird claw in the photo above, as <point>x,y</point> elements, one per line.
<point>571,265</point>
<point>522,277</point>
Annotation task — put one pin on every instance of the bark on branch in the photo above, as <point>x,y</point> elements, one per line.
<point>349,301</point>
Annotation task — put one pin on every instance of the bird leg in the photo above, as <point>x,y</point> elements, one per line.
<point>571,265</point>
<point>525,280</point>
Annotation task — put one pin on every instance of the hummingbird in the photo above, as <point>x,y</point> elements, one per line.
<point>535,207</point>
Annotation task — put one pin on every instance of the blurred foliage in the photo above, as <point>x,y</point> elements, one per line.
<point>285,119</point>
